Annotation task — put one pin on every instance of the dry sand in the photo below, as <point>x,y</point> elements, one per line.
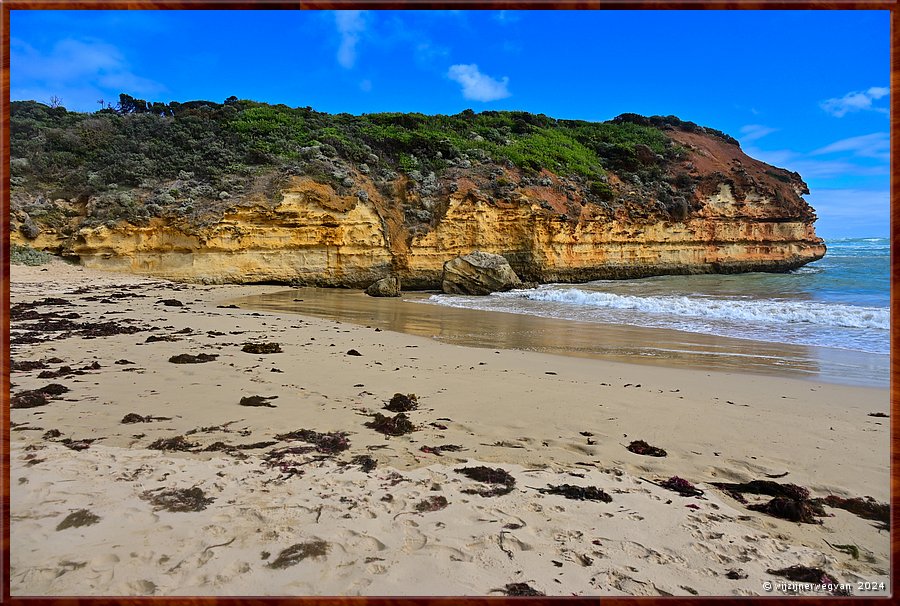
<point>411,525</point>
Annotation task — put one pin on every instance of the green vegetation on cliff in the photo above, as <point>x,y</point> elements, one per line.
<point>144,159</point>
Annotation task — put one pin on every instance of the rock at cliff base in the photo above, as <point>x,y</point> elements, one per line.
<point>478,273</point>
<point>385,287</point>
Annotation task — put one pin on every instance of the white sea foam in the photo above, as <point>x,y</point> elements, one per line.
<point>757,311</point>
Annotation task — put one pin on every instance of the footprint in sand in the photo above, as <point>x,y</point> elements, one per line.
<point>413,540</point>
<point>142,587</point>
<point>357,541</point>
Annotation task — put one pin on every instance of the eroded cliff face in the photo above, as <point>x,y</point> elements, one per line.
<point>739,215</point>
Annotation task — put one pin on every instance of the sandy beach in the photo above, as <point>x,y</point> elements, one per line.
<point>292,493</point>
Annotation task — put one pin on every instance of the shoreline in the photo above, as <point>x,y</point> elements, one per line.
<point>547,420</point>
<point>572,338</point>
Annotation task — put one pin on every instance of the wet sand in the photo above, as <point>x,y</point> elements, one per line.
<point>630,344</point>
<point>204,495</point>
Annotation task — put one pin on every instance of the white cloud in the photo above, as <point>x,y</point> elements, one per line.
<point>365,86</point>
<point>752,132</point>
<point>350,25</point>
<point>876,145</point>
<point>814,168</point>
<point>78,71</point>
<point>477,86</point>
<point>856,101</point>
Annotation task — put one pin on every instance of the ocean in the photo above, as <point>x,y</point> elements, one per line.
<point>840,301</point>
<point>828,320</point>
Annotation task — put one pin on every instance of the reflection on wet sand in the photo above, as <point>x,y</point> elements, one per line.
<point>412,315</point>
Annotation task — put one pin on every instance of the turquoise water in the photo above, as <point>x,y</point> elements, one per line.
<point>841,301</point>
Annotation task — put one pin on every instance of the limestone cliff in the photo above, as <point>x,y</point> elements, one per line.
<point>709,209</point>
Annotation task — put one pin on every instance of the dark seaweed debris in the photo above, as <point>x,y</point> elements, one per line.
<point>328,443</point>
<point>299,552</point>
<point>488,475</point>
<point>179,499</point>
<point>353,352</point>
<point>736,575</point>
<point>402,403</point>
<point>880,415</point>
<point>642,448</point>
<point>365,462</point>
<point>133,417</point>
<point>867,508</point>
<point>789,502</point>
<point>435,503</point>
<point>170,302</point>
<point>37,397</point>
<point>397,425</point>
<point>262,348</point>
<point>77,519</point>
<point>772,489</point>
<point>578,493</point>
<point>682,487</point>
<point>439,450</point>
<point>794,510</point>
<point>192,359</point>
<point>257,401</point>
<point>178,443</point>
<point>520,589</point>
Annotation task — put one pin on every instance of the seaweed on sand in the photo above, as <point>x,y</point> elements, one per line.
<point>439,450</point>
<point>435,503</point>
<point>37,397</point>
<point>192,359</point>
<point>402,403</point>
<point>682,487</point>
<point>261,348</point>
<point>642,448</point>
<point>178,499</point>
<point>365,462</point>
<point>397,425</point>
<point>177,443</point>
<point>578,493</point>
<point>520,589</point>
<point>867,508</point>
<point>488,475</point>
<point>328,443</point>
<point>299,552</point>
<point>794,510</point>
<point>766,487</point>
<point>257,401</point>
<point>133,417</point>
<point>77,519</point>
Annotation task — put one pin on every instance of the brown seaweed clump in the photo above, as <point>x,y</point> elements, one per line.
<point>397,425</point>
<point>682,487</point>
<point>77,519</point>
<point>258,401</point>
<point>177,443</point>
<point>366,462</point>
<point>402,403</point>
<point>37,397</point>
<point>520,589</point>
<point>133,417</point>
<point>867,508</point>
<point>299,552</point>
<point>328,443</point>
<point>192,359</point>
<point>642,448</point>
<point>503,481</point>
<point>793,510</point>
<point>578,493</point>
<point>178,500</point>
<point>262,348</point>
<point>431,504</point>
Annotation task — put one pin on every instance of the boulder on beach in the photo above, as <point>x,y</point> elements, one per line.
<point>479,273</point>
<point>385,287</point>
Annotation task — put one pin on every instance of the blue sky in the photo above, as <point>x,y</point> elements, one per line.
<point>805,90</point>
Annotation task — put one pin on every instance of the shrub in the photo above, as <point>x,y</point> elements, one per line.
<point>25,255</point>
